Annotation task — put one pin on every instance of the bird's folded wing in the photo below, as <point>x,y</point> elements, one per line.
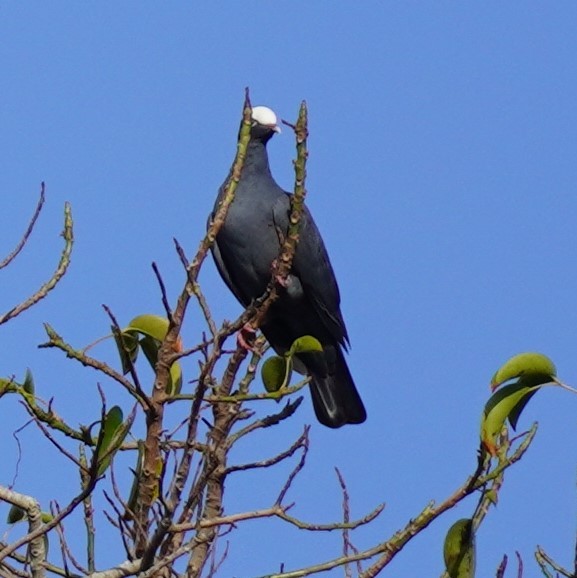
<point>311,264</point>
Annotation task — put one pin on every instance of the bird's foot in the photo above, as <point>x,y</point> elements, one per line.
<point>246,336</point>
<point>282,281</point>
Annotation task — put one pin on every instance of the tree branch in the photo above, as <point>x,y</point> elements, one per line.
<point>5,262</point>
<point>61,269</point>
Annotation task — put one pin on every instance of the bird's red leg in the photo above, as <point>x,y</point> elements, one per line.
<point>245,337</point>
<point>282,281</point>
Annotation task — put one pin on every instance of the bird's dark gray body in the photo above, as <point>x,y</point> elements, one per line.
<point>245,249</point>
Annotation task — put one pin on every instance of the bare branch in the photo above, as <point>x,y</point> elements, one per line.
<point>61,269</point>
<point>347,544</point>
<point>520,565</point>
<point>37,549</point>
<point>164,296</point>
<point>299,443</point>
<point>5,262</point>
<point>47,526</point>
<point>502,567</point>
<point>65,550</point>
<point>304,444</point>
<point>56,341</point>
<point>544,560</point>
<point>117,331</point>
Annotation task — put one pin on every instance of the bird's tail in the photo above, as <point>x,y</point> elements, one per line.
<point>336,400</point>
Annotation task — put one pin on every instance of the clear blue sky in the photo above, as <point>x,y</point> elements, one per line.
<point>442,173</point>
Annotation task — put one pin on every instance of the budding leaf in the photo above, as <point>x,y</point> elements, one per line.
<point>151,325</point>
<point>276,373</point>
<point>535,365</point>
<point>15,514</point>
<point>28,384</point>
<point>115,431</point>
<point>147,332</point>
<point>305,344</point>
<point>507,403</point>
<point>459,549</point>
<point>150,347</point>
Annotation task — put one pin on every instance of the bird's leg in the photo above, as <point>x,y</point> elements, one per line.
<point>246,336</point>
<point>282,281</point>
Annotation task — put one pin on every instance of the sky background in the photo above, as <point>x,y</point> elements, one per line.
<point>442,174</point>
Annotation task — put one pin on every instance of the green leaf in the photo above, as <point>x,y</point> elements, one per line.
<point>534,365</point>
<point>531,382</point>
<point>115,430</point>
<point>305,344</point>
<point>127,345</point>
<point>15,514</point>
<point>28,384</point>
<point>459,549</point>
<point>507,403</point>
<point>276,373</point>
<point>131,504</point>
<point>154,326</point>
<point>111,424</point>
<point>175,379</point>
<point>150,347</point>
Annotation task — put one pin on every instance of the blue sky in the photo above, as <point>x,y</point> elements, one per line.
<point>442,175</point>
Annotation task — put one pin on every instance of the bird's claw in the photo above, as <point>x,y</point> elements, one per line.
<point>246,336</point>
<point>282,281</point>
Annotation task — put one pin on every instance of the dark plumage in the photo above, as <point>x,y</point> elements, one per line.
<point>244,251</point>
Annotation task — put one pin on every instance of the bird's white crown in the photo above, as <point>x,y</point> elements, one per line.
<point>264,115</point>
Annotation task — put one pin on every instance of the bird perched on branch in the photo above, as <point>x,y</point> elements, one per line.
<point>245,251</point>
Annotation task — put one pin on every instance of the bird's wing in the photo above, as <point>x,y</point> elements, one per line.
<point>311,264</point>
<point>221,265</point>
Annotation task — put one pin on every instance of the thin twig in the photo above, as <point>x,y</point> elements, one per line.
<point>61,269</point>
<point>56,341</point>
<point>65,549</point>
<point>543,557</point>
<point>299,443</point>
<point>117,332</point>
<point>163,293</point>
<point>347,544</point>
<point>520,565</point>
<point>502,567</point>
<point>388,549</point>
<point>48,435</point>
<point>28,231</point>
<point>304,444</point>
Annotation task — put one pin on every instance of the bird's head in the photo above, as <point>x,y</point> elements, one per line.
<point>264,123</point>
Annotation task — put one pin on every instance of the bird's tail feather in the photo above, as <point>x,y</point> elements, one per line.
<point>336,400</point>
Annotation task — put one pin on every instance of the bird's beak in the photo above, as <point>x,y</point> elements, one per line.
<point>276,129</point>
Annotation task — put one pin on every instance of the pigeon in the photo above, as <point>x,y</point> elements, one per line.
<point>245,251</point>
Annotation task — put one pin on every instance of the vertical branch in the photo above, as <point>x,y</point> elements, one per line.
<point>502,567</point>
<point>347,544</point>
<point>88,512</point>
<point>225,414</point>
<point>152,463</point>
<point>298,198</point>
<point>284,262</point>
